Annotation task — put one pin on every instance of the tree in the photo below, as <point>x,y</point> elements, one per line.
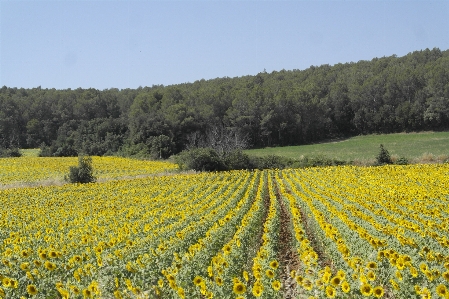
<point>383,157</point>
<point>83,173</point>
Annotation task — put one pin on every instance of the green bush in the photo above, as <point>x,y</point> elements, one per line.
<point>83,173</point>
<point>270,162</point>
<point>402,161</point>
<point>199,159</point>
<point>383,157</point>
<point>237,160</point>
<point>9,152</point>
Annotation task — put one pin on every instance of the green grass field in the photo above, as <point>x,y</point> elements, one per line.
<point>414,146</point>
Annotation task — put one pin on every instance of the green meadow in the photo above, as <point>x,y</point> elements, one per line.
<point>417,147</point>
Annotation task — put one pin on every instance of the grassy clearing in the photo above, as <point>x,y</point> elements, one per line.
<point>417,147</point>
<point>30,152</point>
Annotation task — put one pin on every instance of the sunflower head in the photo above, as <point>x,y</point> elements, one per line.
<point>442,291</point>
<point>269,273</point>
<point>345,287</point>
<point>197,280</point>
<point>366,289</point>
<point>378,292</point>
<point>274,264</point>
<point>32,290</point>
<point>257,290</point>
<point>276,285</point>
<point>370,275</point>
<point>330,292</point>
<point>445,275</point>
<point>336,280</point>
<point>239,288</point>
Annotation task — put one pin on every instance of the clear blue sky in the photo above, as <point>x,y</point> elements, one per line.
<point>127,44</point>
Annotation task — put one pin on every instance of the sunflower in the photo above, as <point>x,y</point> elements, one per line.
<point>32,290</point>
<point>425,293</point>
<point>257,290</point>
<point>181,293</point>
<point>335,281</point>
<point>25,253</point>
<point>239,288</point>
<point>399,275</point>
<point>245,275</point>
<point>75,290</point>
<point>366,289</point>
<point>25,266</point>
<point>341,274</point>
<point>371,276</point>
<point>87,293</point>
<point>378,292</point>
<point>219,281</point>
<point>394,284</point>
<point>50,266</point>
<point>14,283</point>
<point>269,273</point>
<point>276,285</point>
<point>345,287</point>
<point>442,291</point>
<point>227,249</point>
<point>307,284</point>
<point>274,264</point>
<point>417,289</point>
<point>445,275</point>
<point>423,267</point>
<point>37,263</point>
<point>210,271</point>
<point>371,265</point>
<point>413,271</point>
<point>326,277</point>
<point>118,294</point>
<point>330,292</point>
<point>197,280</point>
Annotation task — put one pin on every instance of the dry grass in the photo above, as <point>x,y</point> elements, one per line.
<point>60,182</point>
<point>429,158</point>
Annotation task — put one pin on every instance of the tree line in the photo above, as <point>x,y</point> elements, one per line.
<point>287,107</point>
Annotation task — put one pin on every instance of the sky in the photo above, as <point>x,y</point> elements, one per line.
<point>127,44</point>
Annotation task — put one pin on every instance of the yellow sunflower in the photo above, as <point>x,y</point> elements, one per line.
<point>32,290</point>
<point>276,285</point>
<point>378,292</point>
<point>330,292</point>
<point>366,289</point>
<point>239,288</point>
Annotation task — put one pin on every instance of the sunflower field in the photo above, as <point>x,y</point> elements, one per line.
<point>331,232</point>
<point>34,169</point>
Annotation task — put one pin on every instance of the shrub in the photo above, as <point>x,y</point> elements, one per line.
<point>83,173</point>
<point>10,152</point>
<point>270,162</point>
<point>237,160</point>
<point>402,161</point>
<point>383,157</point>
<point>199,159</point>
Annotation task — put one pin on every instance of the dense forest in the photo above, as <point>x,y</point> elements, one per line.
<point>384,95</point>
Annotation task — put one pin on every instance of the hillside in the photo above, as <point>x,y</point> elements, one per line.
<point>287,107</point>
